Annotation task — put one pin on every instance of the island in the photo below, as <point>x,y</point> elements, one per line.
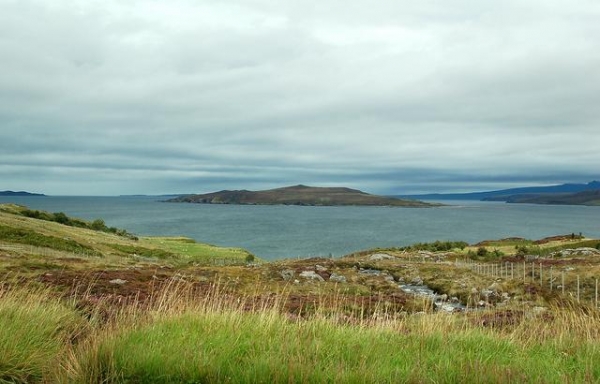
<point>19,193</point>
<point>301,195</point>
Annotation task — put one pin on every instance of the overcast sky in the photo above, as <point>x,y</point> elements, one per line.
<point>115,97</point>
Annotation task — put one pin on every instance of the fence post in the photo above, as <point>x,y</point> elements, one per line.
<point>578,288</point>
<point>596,301</point>
<point>512,270</point>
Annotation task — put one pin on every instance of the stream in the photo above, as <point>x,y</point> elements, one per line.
<point>440,302</point>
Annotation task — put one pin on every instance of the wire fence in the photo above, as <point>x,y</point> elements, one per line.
<point>564,278</point>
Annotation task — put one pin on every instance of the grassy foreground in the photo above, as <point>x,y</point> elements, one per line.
<point>181,339</point>
<point>83,304</point>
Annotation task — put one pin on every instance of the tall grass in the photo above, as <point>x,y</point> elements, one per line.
<point>216,341</point>
<point>184,336</point>
<point>34,331</point>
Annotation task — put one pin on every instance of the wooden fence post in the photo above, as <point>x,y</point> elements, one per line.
<point>512,270</point>
<point>596,301</point>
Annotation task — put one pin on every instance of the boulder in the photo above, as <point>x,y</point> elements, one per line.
<point>118,281</point>
<point>311,275</point>
<point>337,278</point>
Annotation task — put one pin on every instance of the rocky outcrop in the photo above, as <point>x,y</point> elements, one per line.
<point>583,251</point>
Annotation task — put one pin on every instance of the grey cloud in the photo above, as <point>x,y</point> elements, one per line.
<point>161,96</point>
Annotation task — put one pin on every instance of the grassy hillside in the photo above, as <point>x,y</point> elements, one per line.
<point>83,305</point>
<point>300,195</point>
<point>27,235</point>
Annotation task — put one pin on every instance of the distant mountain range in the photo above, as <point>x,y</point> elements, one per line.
<point>19,193</point>
<point>300,195</point>
<point>563,194</point>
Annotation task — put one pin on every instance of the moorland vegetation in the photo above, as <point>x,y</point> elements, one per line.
<point>83,305</point>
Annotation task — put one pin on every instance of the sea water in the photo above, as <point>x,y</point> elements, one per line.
<point>277,232</point>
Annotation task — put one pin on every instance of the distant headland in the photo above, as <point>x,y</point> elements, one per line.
<point>19,193</point>
<point>563,194</point>
<point>301,195</point>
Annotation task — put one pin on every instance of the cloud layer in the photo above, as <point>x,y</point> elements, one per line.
<point>112,97</point>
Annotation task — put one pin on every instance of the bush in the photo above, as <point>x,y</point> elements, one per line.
<point>98,225</point>
<point>61,218</point>
<point>437,246</point>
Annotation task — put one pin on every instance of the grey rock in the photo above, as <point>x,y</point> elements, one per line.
<point>337,278</point>
<point>583,251</point>
<point>320,268</point>
<point>374,272</point>
<point>118,281</point>
<point>311,275</point>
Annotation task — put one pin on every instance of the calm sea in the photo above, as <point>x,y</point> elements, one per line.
<point>276,232</point>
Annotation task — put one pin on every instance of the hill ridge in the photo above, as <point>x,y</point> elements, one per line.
<point>299,195</point>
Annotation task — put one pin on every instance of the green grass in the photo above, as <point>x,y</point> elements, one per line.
<point>33,238</point>
<point>229,346</point>
<point>183,338</point>
<point>190,251</point>
<point>34,330</point>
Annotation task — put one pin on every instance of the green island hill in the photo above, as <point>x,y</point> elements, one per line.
<point>301,195</point>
